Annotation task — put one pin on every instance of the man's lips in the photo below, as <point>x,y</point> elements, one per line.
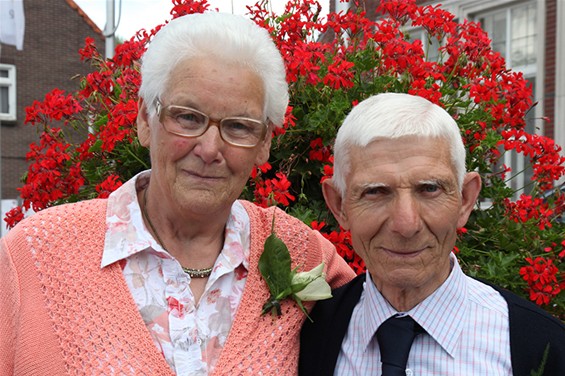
<point>404,252</point>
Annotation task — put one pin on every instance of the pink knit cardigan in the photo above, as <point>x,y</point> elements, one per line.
<point>61,314</point>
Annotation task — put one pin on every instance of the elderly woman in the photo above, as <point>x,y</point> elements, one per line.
<point>162,278</point>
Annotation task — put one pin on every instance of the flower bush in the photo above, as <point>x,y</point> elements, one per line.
<point>88,143</point>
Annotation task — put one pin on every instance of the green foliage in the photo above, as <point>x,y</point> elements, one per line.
<point>513,238</point>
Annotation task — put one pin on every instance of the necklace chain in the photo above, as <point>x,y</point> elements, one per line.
<point>193,273</point>
<point>198,273</point>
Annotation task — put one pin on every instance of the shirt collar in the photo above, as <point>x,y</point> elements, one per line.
<point>375,310</point>
<point>441,314</point>
<point>127,235</point>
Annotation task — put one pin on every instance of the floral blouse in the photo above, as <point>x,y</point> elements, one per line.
<point>190,336</point>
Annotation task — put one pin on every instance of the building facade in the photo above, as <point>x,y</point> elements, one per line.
<point>54,32</point>
<point>530,34</point>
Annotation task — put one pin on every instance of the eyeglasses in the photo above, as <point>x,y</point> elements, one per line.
<point>188,122</point>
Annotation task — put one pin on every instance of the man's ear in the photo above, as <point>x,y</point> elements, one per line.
<point>143,129</point>
<point>334,200</point>
<point>469,194</point>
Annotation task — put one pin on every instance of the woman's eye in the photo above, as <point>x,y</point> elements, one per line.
<point>188,117</point>
<point>237,126</point>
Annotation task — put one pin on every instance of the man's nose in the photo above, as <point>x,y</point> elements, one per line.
<point>405,216</point>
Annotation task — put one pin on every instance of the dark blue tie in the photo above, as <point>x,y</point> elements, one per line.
<point>395,337</point>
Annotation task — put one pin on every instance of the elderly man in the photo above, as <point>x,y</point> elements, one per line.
<point>401,188</point>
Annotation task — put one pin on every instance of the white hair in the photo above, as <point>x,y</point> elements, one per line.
<point>230,38</point>
<point>390,116</point>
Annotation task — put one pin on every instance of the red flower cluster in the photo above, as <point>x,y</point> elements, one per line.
<point>342,241</point>
<point>56,106</point>
<point>52,177</point>
<point>108,186</point>
<point>547,163</point>
<point>101,116</point>
<point>541,276</point>
<point>318,151</point>
<point>88,143</point>
<point>274,191</point>
<point>528,208</point>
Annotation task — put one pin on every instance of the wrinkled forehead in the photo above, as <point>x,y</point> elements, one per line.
<point>408,157</point>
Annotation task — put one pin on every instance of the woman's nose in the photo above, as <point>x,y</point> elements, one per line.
<point>209,143</point>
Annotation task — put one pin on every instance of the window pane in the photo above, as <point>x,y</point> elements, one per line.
<point>4,100</point>
<point>523,36</point>
<point>495,25</point>
<point>433,50</point>
<point>499,33</point>
<point>7,92</point>
<point>513,34</point>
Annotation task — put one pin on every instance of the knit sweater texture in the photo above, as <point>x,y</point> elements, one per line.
<point>62,314</point>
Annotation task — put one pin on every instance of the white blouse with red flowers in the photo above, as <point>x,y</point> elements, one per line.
<point>189,336</point>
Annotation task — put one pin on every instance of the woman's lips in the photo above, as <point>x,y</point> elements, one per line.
<point>204,176</point>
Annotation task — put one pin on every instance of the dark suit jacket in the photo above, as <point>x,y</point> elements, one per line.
<point>531,331</point>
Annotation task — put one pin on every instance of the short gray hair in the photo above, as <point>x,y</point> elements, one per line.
<point>390,116</point>
<point>230,38</point>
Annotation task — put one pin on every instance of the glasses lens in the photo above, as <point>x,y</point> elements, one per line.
<point>187,121</point>
<point>242,131</point>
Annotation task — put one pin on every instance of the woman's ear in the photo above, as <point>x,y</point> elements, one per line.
<point>143,128</point>
<point>265,146</point>
<point>334,200</point>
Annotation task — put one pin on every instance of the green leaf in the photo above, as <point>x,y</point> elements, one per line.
<point>96,147</point>
<point>539,371</point>
<point>101,121</point>
<point>272,305</point>
<point>299,303</point>
<point>274,265</point>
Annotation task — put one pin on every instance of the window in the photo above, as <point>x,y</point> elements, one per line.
<point>7,92</point>
<point>430,45</point>
<point>513,31</point>
<point>513,34</point>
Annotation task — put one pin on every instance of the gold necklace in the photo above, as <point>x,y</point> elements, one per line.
<point>193,273</point>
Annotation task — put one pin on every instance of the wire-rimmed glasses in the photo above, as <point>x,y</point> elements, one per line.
<point>189,122</point>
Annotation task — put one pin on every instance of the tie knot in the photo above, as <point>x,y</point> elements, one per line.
<point>395,337</point>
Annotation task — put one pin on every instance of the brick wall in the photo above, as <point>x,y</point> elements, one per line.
<point>55,30</point>
<point>549,69</point>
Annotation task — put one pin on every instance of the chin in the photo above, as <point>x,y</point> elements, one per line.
<point>400,277</point>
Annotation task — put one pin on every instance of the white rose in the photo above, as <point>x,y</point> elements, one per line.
<point>312,285</point>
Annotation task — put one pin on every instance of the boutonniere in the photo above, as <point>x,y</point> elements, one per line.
<point>283,282</point>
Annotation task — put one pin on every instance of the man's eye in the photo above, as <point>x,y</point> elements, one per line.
<point>374,191</point>
<point>430,188</point>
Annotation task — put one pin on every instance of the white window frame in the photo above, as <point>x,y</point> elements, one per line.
<point>510,158</point>
<point>10,83</point>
